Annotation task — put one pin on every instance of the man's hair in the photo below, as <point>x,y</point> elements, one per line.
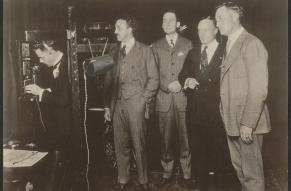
<point>131,22</point>
<point>41,45</point>
<point>209,18</point>
<point>174,12</point>
<point>234,6</point>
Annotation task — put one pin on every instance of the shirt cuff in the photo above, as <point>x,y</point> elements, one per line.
<point>40,95</point>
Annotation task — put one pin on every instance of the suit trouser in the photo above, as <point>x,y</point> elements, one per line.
<point>208,144</point>
<point>167,122</point>
<point>247,161</point>
<point>129,125</point>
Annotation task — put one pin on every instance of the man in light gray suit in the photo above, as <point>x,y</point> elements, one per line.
<point>243,92</point>
<point>128,88</point>
<point>170,53</point>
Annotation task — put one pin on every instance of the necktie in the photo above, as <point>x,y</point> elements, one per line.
<point>204,60</point>
<point>123,51</point>
<point>172,43</point>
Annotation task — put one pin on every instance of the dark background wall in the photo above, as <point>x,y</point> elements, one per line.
<point>267,19</point>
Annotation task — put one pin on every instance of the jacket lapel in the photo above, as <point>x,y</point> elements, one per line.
<point>217,55</point>
<point>233,54</point>
<point>166,45</point>
<point>178,44</point>
<point>134,51</point>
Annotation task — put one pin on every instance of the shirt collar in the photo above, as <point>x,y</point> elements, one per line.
<point>57,62</point>
<point>173,37</point>
<point>128,44</point>
<point>234,36</point>
<point>210,46</point>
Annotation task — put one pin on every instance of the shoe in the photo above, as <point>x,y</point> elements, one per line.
<point>163,182</point>
<point>144,187</point>
<point>121,186</point>
<point>187,183</point>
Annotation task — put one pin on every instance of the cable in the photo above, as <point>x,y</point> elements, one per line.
<point>104,48</point>
<point>40,114</point>
<point>85,112</point>
<point>85,126</point>
<point>89,43</point>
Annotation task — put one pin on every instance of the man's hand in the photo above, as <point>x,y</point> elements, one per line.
<point>175,86</point>
<point>107,114</point>
<point>190,83</point>
<point>33,89</point>
<point>246,134</point>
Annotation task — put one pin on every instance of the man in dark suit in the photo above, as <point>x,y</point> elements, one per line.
<point>128,88</point>
<point>200,77</point>
<point>243,92</point>
<point>54,97</point>
<point>170,53</point>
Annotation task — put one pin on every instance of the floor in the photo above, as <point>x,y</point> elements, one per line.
<point>275,181</point>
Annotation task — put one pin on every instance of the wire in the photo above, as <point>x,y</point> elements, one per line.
<point>89,43</point>
<point>105,46</point>
<point>85,126</point>
<point>40,114</point>
<point>85,112</point>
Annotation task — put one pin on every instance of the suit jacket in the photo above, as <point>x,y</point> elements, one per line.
<point>140,76</point>
<point>170,62</point>
<point>56,105</point>
<point>207,93</point>
<point>244,86</point>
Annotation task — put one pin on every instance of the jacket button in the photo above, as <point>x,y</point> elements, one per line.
<point>172,63</point>
<point>209,80</point>
<point>173,74</point>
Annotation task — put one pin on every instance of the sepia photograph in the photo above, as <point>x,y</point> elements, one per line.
<point>145,95</point>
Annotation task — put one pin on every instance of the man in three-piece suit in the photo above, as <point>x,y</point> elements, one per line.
<point>128,88</point>
<point>170,53</point>
<point>200,77</point>
<point>243,92</point>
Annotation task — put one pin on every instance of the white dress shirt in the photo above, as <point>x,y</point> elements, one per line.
<point>232,38</point>
<point>128,45</point>
<point>172,37</point>
<point>211,48</point>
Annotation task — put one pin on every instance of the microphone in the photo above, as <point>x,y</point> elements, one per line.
<point>99,65</point>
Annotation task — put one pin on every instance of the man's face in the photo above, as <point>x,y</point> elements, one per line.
<point>122,30</point>
<point>44,56</point>
<point>225,20</point>
<point>206,31</point>
<point>170,23</point>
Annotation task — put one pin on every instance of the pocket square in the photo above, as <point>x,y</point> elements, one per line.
<point>180,53</point>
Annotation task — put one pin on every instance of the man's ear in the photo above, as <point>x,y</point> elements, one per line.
<point>45,45</point>
<point>130,30</point>
<point>235,16</point>
<point>178,24</point>
<point>216,30</point>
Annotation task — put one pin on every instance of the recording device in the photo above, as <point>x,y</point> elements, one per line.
<point>29,68</point>
<point>98,65</point>
<point>98,32</point>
